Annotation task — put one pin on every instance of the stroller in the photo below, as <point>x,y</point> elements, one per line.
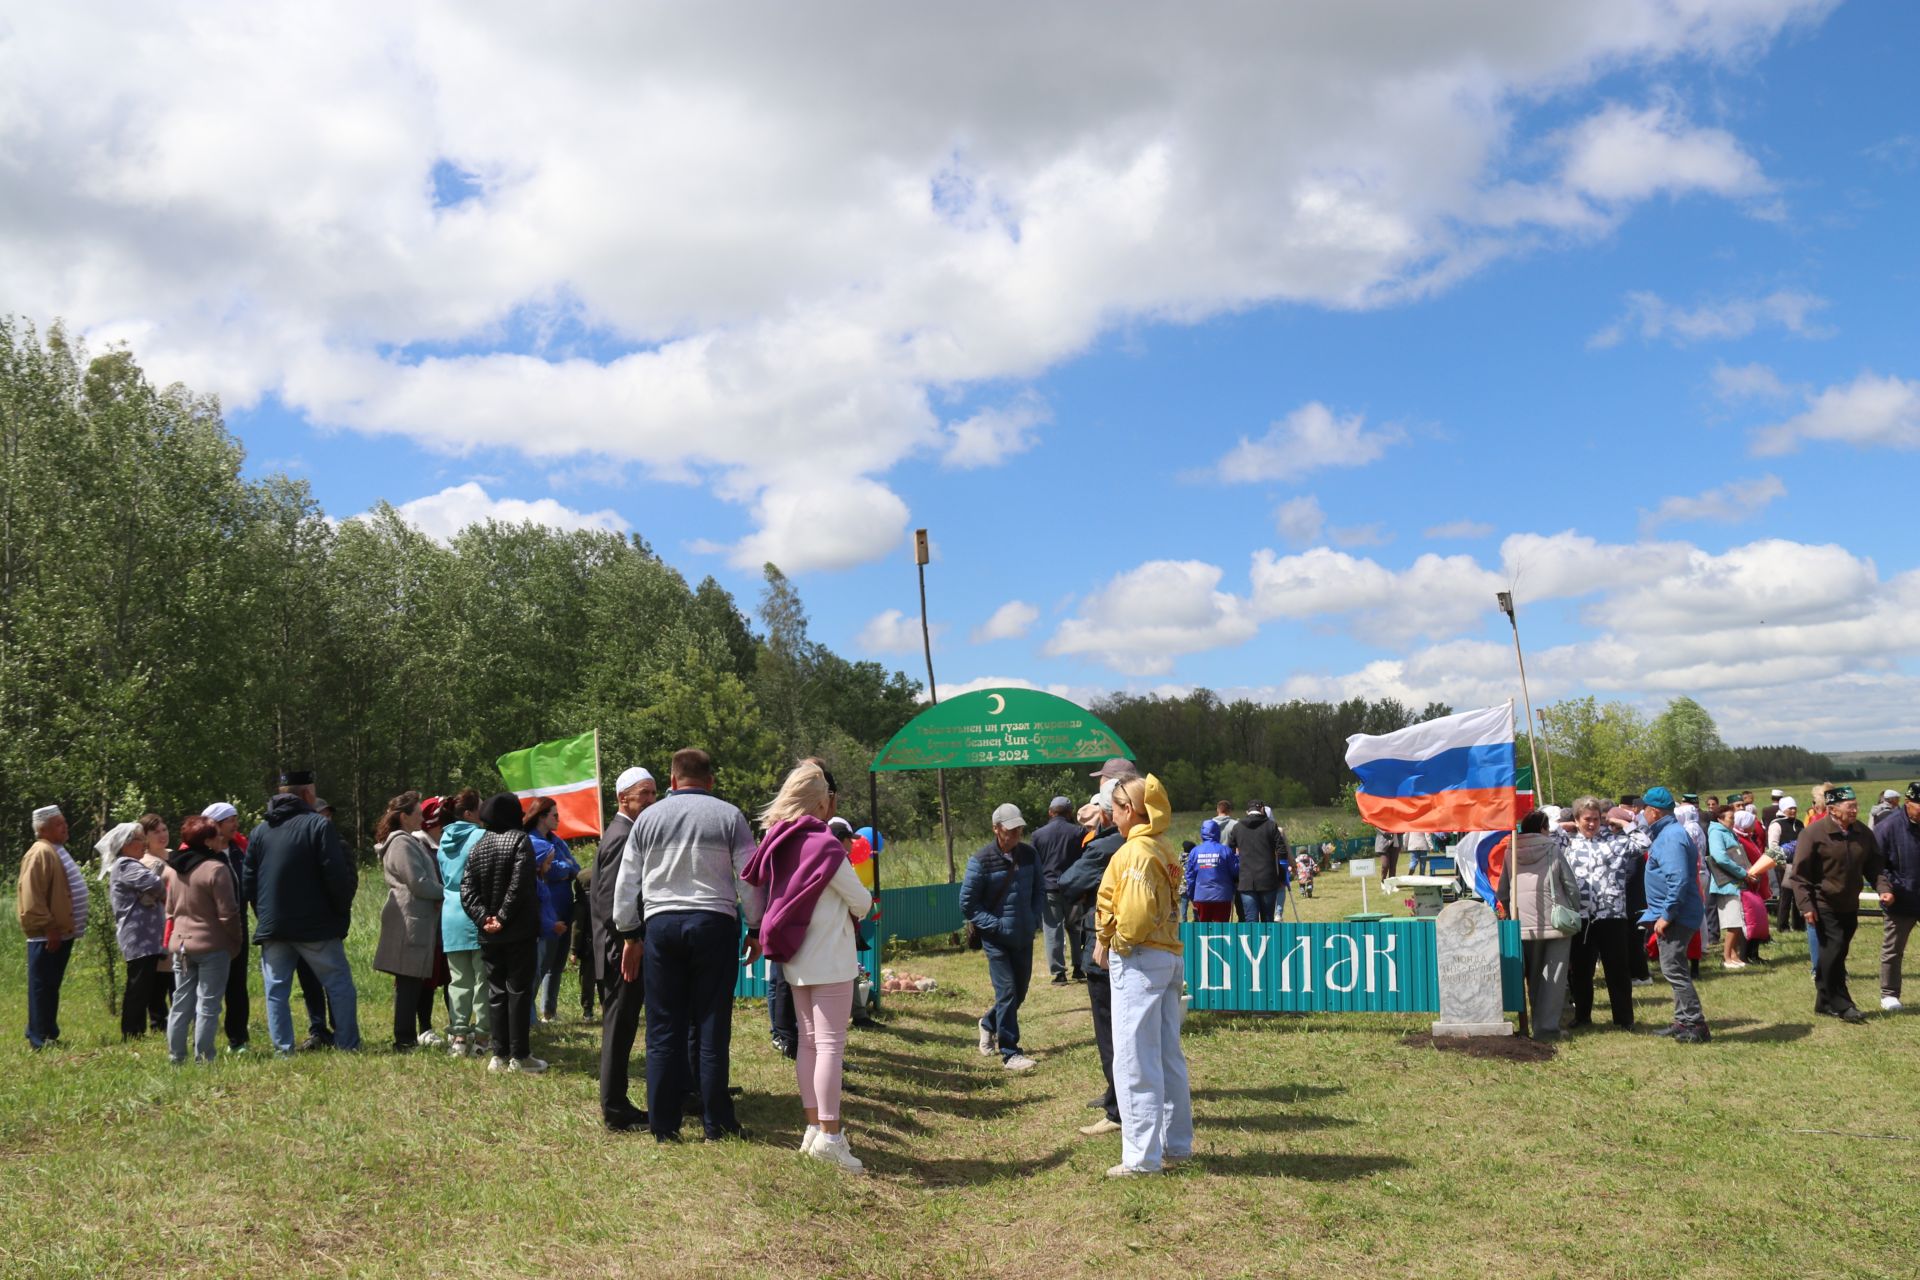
<point>1304,868</point>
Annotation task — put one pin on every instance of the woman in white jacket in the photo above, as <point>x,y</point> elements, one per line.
<point>1536,879</point>
<point>814,901</point>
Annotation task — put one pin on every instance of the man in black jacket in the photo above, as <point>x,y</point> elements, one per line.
<point>1257,840</point>
<point>1899,836</point>
<point>1058,844</point>
<point>621,1000</point>
<point>300,882</point>
<point>1080,883</point>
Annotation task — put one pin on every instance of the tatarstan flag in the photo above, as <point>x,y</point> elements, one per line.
<point>568,769</point>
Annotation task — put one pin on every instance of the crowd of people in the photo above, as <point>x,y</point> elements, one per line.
<point>485,904</point>
<point>1660,878</point>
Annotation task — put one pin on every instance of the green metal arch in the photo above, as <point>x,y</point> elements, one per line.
<point>1000,727</point>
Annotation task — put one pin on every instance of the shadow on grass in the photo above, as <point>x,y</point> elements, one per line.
<point>940,1073</point>
<point>973,1105</point>
<point>1779,1033</point>
<point>1271,1122</point>
<point>963,1172</point>
<point>1269,1092</point>
<point>1301,1165</point>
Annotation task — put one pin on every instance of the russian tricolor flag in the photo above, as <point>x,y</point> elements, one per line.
<point>1451,774</point>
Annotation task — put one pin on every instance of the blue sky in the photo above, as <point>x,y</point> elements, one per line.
<point>1252,352</point>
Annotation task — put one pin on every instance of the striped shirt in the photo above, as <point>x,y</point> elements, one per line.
<point>77,887</point>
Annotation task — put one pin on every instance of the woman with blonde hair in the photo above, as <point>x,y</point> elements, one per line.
<point>814,901</point>
<point>1136,923</point>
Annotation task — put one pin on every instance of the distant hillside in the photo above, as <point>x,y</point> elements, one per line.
<point>1895,758</point>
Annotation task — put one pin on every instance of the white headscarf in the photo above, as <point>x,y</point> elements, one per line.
<point>110,845</point>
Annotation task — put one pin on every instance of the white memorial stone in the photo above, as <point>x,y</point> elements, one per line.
<point>1467,943</point>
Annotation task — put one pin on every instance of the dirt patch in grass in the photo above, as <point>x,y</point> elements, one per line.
<point>1502,1048</point>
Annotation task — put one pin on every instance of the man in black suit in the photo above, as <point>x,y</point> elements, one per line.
<point>620,1000</point>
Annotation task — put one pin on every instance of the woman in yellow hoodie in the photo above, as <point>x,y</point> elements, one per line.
<point>1137,932</point>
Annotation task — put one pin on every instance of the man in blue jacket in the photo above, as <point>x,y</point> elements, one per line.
<point>301,883</point>
<point>1898,834</point>
<point>1674,910</point>
<point>1004,896</point>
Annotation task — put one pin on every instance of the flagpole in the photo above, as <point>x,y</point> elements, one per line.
<point>921,554</point>
<point>1553,788</point>
<point>1506,606</point>
<point>599,800</point>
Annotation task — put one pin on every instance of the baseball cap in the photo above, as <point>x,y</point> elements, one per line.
<point>431,810</point>
<point>1008,816</point>
<point>1658,797</point>
<point>1060,804</point>
<point>1839,795</point>
<point>1118,767</point>
<point>629,779</point>
<point>837,824</point>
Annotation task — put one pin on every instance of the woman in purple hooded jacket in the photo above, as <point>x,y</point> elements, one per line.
<point>814,900</point>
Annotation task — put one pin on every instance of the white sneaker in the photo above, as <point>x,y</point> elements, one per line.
<point>497,1064</point>
<point>808,1139</point>
<point>528,1066</point>
<point>1890,1003</point>
<point>989,1043</point>
<point>1020,1062</point>
<point>831,1148</point>
<point>1128,1171</point>
<point>1733,964</point>
<point>431,1037</point>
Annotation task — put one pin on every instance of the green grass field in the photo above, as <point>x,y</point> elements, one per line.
<point>1327,1147</point>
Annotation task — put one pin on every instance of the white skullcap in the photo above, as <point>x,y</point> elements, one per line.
<point>1788,802</point>
<point>44,815</point>
<point>219,811</point>
<point>629,779</point>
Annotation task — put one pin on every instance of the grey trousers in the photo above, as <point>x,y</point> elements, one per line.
<point>1544,961</point>
<point>1674,968</point>
<point>1893,948</point>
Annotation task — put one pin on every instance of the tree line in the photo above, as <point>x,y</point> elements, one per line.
<point>172,632</point>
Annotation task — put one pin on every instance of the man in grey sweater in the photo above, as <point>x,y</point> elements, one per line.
<point>683,861</point>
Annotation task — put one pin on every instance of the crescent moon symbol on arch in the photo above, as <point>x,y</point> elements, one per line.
<point>999,703</point>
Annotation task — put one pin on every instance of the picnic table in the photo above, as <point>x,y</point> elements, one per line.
<point>1429,892</point>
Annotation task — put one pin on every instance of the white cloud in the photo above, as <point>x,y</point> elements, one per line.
<point>1651,318</point>
<point>441,515</point>
<point>991,436</point>
<point>1730,503</point>
<point>1307,439</point>
<point>1009,622</point>
<point>1621,154</point>
<point>1462,529</point>
<point>1568,565</point>
<point>1361,535</point>
<point>834,524</point>
<point>1769,634</point>
<point>1871,411</point>
<point>892,631</point>
<point>1435,595</point>
<point>1143,619</point>
<point>1300,520</point>
<point>849,212</point>
<point>1734,383</point>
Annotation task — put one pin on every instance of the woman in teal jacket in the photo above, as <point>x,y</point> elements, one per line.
<point>1727,871</point>
<point>459,935</point>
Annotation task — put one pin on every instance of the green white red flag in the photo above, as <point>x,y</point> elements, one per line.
<point>568,769</point>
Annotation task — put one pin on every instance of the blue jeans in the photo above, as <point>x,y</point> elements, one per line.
<point>782,1020</point>
<point>1256,906</point>
<point>328,960</point>
<point>199,985</point>
<point>692,963</point>
<point>553,965</point>
<point>46,970</point>
<point>1053,926</point>
<point>1010,969</point>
